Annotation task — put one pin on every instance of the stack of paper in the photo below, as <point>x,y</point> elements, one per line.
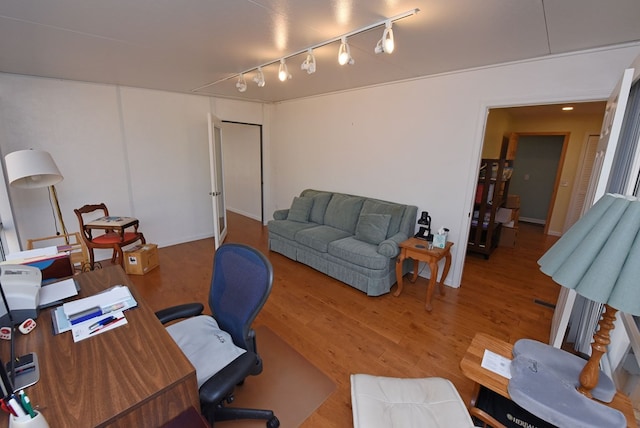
<point>85,312</point>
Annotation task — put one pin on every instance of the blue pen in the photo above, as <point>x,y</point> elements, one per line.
<point>102,322</point>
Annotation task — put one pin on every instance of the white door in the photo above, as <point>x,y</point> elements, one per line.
<point>609,134</point>
<point>217,181</point>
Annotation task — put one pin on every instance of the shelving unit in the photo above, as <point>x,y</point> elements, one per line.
<point>491,194</point>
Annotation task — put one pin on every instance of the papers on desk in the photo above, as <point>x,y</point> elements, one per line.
<point>93,308</point>
<point>57,291</point>
<point>496,363</point>
<point>37,253</point>
<point>97,326</point>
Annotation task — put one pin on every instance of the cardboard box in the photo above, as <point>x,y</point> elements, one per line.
<point>504,215</point>
<point>513,201</point>
<point>508,237</point>
<point>141,259</point>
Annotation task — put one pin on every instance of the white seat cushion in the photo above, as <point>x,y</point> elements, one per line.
<point>393,402</point>
<point>207,347</point>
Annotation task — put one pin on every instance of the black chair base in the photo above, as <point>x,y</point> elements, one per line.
<point>233,413</point>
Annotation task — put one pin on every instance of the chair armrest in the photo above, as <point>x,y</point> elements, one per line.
<point>485,417</point>
<point>389,247</point>
<point>180,311</point>
<point>221,384</point>
<point>280,214</point>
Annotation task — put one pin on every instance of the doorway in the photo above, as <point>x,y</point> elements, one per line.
<point>550,120</point>
<point>243,172</point>
<point>536,174</point>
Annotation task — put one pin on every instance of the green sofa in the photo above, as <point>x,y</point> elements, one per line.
<point>350,238</point>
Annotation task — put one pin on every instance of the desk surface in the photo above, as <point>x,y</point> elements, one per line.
<point>471,368</point>
<point>134,375</point>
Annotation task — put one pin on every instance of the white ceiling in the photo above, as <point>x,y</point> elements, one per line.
<point>182,45</point>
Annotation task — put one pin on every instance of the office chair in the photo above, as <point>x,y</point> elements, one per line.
<point>111,239</point>
<point>222,347</point>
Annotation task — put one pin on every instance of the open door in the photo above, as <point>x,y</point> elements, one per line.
<point>605,152</point>
<point>217,181</point>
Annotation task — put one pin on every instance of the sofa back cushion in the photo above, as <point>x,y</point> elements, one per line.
<point>396,211</point>
<point>372,228</point>
<point>320,202</point>
<point>300,209</point>
<point>343,212</point>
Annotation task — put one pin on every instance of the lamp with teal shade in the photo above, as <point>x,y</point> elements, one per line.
<point>599,258</point>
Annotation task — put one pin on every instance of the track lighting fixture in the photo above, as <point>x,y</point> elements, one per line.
<point>283,71</point>
<point>344,53</point>
<point>259,78</point>
<point>241,84</point>
<point>309,63</point>
<point>386,43</point>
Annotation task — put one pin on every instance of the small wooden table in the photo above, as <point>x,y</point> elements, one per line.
<point>471,367</point>
<point>418,250</point>
<point>115,223</point>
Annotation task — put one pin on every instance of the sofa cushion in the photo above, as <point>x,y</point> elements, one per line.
<point>372,228</point>
<point>343,212</point>
<point>396,211</point>
<point>359,253</point>
<point>287,228</point>
<point>300,209</point>
<point>319,237</point>
<point>320,202</point>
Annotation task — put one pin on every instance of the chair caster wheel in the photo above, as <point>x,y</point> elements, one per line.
<point>273,423</point>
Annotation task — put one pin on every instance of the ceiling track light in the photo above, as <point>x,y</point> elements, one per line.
<point>309,64</point>
<point>241,84</point>
<point>344,53</point>
<point>283,71</point>
<point>259,78</point>
<point>386,44</point>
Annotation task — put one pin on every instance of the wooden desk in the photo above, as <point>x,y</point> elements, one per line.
<point>132,376</point>
<point>471,368</point>
<point>418,250</point>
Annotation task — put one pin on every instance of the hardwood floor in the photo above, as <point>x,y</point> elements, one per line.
<point>342,331</point>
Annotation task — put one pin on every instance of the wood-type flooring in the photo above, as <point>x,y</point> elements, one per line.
<point>342,331</point>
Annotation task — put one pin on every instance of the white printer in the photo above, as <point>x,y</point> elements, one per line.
<point>21,288</point>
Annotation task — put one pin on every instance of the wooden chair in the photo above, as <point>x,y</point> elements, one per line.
<point>71,242</point>
<point>114,237</point>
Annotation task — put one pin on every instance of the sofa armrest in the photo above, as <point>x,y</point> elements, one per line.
<point>280,214</point>
<point>389,247</point>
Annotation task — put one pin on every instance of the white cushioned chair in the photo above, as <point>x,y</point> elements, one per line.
<point>389,402</point>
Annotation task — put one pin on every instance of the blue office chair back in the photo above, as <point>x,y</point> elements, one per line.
<point>241,282</point>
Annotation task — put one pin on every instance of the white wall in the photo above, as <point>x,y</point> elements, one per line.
<point>419,142</point>
<point>414,142</point>
<point>144,153</point>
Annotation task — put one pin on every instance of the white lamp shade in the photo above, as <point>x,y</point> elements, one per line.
<point>31,169</point>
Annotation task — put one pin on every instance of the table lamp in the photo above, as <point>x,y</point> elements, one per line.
<point>599,257</point>
<point>31,169</point>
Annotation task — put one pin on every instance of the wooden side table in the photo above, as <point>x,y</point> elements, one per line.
<point>471,366</point>
<point>418,250</point>
<point>112,223</point>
